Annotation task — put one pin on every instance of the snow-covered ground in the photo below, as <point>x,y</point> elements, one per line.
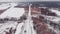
<point>4,6</point>
<point>19,28</point>
<point>18,12</point>
<point>53,18</point>
<point>55,11</point>
<point>11,12</point>
<point>5,27</point>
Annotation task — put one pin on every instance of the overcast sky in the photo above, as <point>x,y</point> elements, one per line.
<point>25,0</point>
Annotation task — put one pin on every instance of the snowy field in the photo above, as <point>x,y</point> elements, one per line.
<point>17,13</point>
<point>4,6</point>
<point>11,12</point>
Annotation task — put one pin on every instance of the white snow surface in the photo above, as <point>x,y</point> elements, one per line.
<point>18,29</point>
<point>4,6</point>
<point>13,12</point>
<point>4,26</point>
<point>55,11</point>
